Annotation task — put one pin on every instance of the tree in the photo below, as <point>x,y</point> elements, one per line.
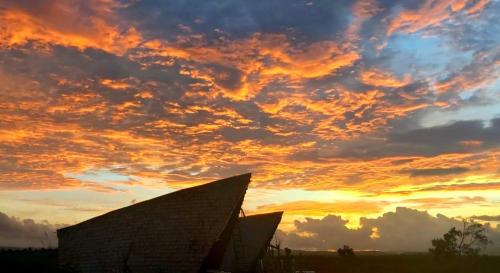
<point>345,251</point>
<point>468,241</point>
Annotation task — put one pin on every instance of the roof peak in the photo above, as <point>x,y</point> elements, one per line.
<point>243,179</point>
<point>246,177</point>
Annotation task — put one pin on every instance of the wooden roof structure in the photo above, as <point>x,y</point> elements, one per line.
<point>249,240</point>
<point>184,231</point>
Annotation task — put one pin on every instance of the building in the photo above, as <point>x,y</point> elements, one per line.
<point>184,231</point>
<point>250,239</point>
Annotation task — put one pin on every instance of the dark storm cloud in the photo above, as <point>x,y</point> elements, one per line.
<point>311,19</point>
<point>403,230</point>
<point>26,233</point>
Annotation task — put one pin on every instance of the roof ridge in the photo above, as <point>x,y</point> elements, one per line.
<point>265,214</point>
<point>245,178</point>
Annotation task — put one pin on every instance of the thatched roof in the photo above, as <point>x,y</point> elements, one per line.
<point>184,231</point>
<point>250,238</point>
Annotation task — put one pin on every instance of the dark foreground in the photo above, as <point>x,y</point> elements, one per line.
<point>35,261</point>
<point>403,263</point>
<point>45,261</point>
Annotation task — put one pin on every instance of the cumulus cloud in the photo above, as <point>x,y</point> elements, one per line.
<point>399,231</point>
<point>16,232</point>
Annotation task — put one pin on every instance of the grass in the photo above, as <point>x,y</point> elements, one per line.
<point>28,260</point>
<point>411,263</point>
<point>45,261</point>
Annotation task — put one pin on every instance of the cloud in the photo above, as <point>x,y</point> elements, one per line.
<point>180,93</point>
<point>461,187</point>
<point>477,75</point>
<point>383,79</point>
<point>80,24</point>
<point>402,230</point>
<point>323,234</point>
<point>315,21</point>
<point>436,171</point>
<point>454,134</point>
<point>490,218</point>
<point>16,232</point>
<point>314,208</point>
<point>457,137</point>
<point>432,14</point>
<point>129,97</point>
<point>254,62</point>
<point>443,203</point>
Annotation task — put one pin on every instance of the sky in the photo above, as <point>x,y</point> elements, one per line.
<point>354,117</point>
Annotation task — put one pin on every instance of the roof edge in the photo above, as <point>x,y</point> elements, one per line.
<point>246,177</point>
<point>265,214</point>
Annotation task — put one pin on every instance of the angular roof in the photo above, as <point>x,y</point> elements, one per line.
<point>176,232</point>
<point>249,240</point>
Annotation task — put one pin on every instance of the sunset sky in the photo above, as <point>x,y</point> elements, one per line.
<point>342,108</point>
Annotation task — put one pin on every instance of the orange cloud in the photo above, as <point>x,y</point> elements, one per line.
<point>170,150</point>
<point>174,135</point>
<point>478,7</point>
<point>432,13</point>
<point>381,78</point>
<point>115,84</point>
<point>314,208</point>
<point>251,57</point>
<point>61,23</point>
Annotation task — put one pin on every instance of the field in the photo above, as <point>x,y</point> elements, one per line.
<point>33,261</point>
<point>45,261</point>
<point>402,263</point>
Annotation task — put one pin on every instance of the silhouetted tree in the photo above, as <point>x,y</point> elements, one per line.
<point>468,241</point>
<point>345,251</point>
<point>288,261</point>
